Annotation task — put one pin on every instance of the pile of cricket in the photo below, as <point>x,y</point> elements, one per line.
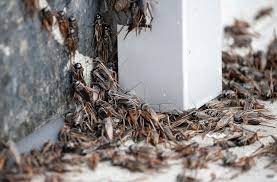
<point>106,117</point>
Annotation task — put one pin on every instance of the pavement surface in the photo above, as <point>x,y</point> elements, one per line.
<point>105,172</point>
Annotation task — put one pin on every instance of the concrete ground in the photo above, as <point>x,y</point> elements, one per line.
<point>106,172</point>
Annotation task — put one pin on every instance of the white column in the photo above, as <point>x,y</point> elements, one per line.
<point>177,65</point>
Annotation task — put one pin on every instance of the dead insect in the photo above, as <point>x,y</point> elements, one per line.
<point>103,40</point>
<point>151,116</point>
<point>105,110</point>
<point>106,49</point>
<point>244,163</point>
<point>103,76</point>
<point>73,24</point>
<point>168,132</point>
<point>140,158</point>
<point>239,27</point>
<point>77,73</point>
<point>72,42</point>
<point>199,115</point>
<point>263,12</point>
<point>186,150</point>
<point>153,137</point>
<point>241,91</point>
<point>194,162</point>
<point>247,139</point>
<point>72,39</point>
<point>198,125</point>
<point>63,23</point>
<point>109,128</point>
<point>93,161</point>
<point>122,5</point>
<point>223,122</point>
<point>46,147</point>
<point>47,18</point>
<point>268,150</point>
<point>183,136</point>
<point>98,28</point>
<point>107,33</point>
<point>84,91</point>
<point>133,113</point>
<point>229,141</point>
<point>140,16</point>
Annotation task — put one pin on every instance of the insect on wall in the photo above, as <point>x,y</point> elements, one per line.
<point>136,15</point>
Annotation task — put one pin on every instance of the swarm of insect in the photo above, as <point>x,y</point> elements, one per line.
<point>104,116</point>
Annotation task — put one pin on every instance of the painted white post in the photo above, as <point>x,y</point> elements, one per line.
<point>177,65</point>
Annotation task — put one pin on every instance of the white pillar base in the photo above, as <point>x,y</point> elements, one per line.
<point>177,65</point>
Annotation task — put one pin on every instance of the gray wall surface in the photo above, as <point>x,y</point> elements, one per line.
<point>34,78</point>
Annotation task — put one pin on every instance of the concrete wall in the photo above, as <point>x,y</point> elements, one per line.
<point>34,79</point>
